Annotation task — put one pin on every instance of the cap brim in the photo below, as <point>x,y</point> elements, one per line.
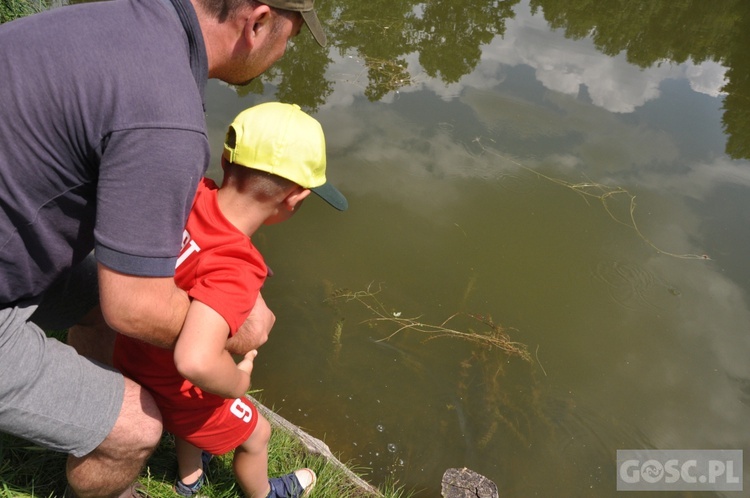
<point>311,19</point>
<point>332,196</point>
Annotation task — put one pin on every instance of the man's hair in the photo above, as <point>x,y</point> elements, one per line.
<point>226,9</point>
<point>260,184</point>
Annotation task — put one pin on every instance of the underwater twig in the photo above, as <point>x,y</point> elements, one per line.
<point>495,337</point>
<point>603,193</point>
<point>536,353</point>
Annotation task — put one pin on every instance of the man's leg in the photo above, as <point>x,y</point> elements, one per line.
<point>93,338</point>
<point>106,467</point>
<point>56,398</point>
<point>111,468</point>
<point>52,396</point>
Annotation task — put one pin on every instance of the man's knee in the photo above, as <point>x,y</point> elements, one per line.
<point>138,428</point>
<point>117,461</point>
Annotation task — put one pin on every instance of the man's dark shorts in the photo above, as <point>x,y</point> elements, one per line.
<point>48,393</point>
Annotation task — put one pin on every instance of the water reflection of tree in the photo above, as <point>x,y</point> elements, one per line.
<point>299,76</point>
<point>451,34</point>
<point>649,32</point>
<point>381,34</point>
<point>736,117</point>
<point>448,36</point>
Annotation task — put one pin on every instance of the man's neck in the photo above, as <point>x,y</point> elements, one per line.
<point>219,38</point>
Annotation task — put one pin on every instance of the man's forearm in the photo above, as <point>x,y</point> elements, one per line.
<point>254,332</point>
<point>150,309</point>
<point>160,322</point>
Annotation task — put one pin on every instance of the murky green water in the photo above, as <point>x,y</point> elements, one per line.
<point>575,170</point>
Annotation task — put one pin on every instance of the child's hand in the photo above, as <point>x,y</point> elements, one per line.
<point>246,365</point>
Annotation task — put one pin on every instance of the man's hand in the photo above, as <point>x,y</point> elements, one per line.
<point>254,332</point>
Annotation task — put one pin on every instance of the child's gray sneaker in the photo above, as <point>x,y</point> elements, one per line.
<point>183,489</point>
<point>295,485</point>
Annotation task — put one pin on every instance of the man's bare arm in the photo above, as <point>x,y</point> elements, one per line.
<point>254,332</point>
<point>152,309</point>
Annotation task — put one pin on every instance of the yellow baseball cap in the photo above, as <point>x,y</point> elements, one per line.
<point>283,140</point>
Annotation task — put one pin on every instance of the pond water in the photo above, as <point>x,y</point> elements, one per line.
<point>571,177</point>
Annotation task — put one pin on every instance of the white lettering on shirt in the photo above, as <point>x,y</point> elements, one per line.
<point>188,247</point>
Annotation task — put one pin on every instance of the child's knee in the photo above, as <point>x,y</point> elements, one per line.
<point>258,440</point>
<point>263,430</point>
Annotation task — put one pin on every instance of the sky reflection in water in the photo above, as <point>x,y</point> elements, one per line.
<point>469,196</point>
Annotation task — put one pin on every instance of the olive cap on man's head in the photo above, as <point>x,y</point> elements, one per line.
<point>307,9</point>
<point>283,140</point>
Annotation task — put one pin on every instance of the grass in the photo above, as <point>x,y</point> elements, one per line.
<point>29,471</point>
<point>13,9</point>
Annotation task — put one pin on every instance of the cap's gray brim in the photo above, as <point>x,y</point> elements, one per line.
<point>311,19</point>
<point>332,196</point>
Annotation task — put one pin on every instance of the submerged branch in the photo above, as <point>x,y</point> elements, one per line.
<point>603,193</point>
<point>495,336</point>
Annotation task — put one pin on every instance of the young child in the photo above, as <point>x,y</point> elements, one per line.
<point>274,156</point>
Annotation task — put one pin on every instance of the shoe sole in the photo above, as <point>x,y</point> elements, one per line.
<point>309,489</point>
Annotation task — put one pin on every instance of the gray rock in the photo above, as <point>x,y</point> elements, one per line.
<point>465,483</point>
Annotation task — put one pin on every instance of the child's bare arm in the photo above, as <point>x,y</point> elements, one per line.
<point>201,357</point>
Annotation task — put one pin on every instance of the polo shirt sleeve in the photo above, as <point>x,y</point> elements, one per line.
<point>146,185</point>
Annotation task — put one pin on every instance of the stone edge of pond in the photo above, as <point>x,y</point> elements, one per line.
<point>456,483</point>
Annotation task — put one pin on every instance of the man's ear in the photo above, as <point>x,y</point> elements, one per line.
<point>295,197</point>
<point>258,24</point>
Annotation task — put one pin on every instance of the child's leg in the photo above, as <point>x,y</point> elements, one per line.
<point>189,463</point>
<point>251,461</point>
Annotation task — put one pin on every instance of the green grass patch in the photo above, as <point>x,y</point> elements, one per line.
<point>26,470</point>
<point>29,471</point>
<point>13,9</point>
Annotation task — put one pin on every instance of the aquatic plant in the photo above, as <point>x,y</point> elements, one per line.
<point>493,336</point>
<point>605,194</point>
